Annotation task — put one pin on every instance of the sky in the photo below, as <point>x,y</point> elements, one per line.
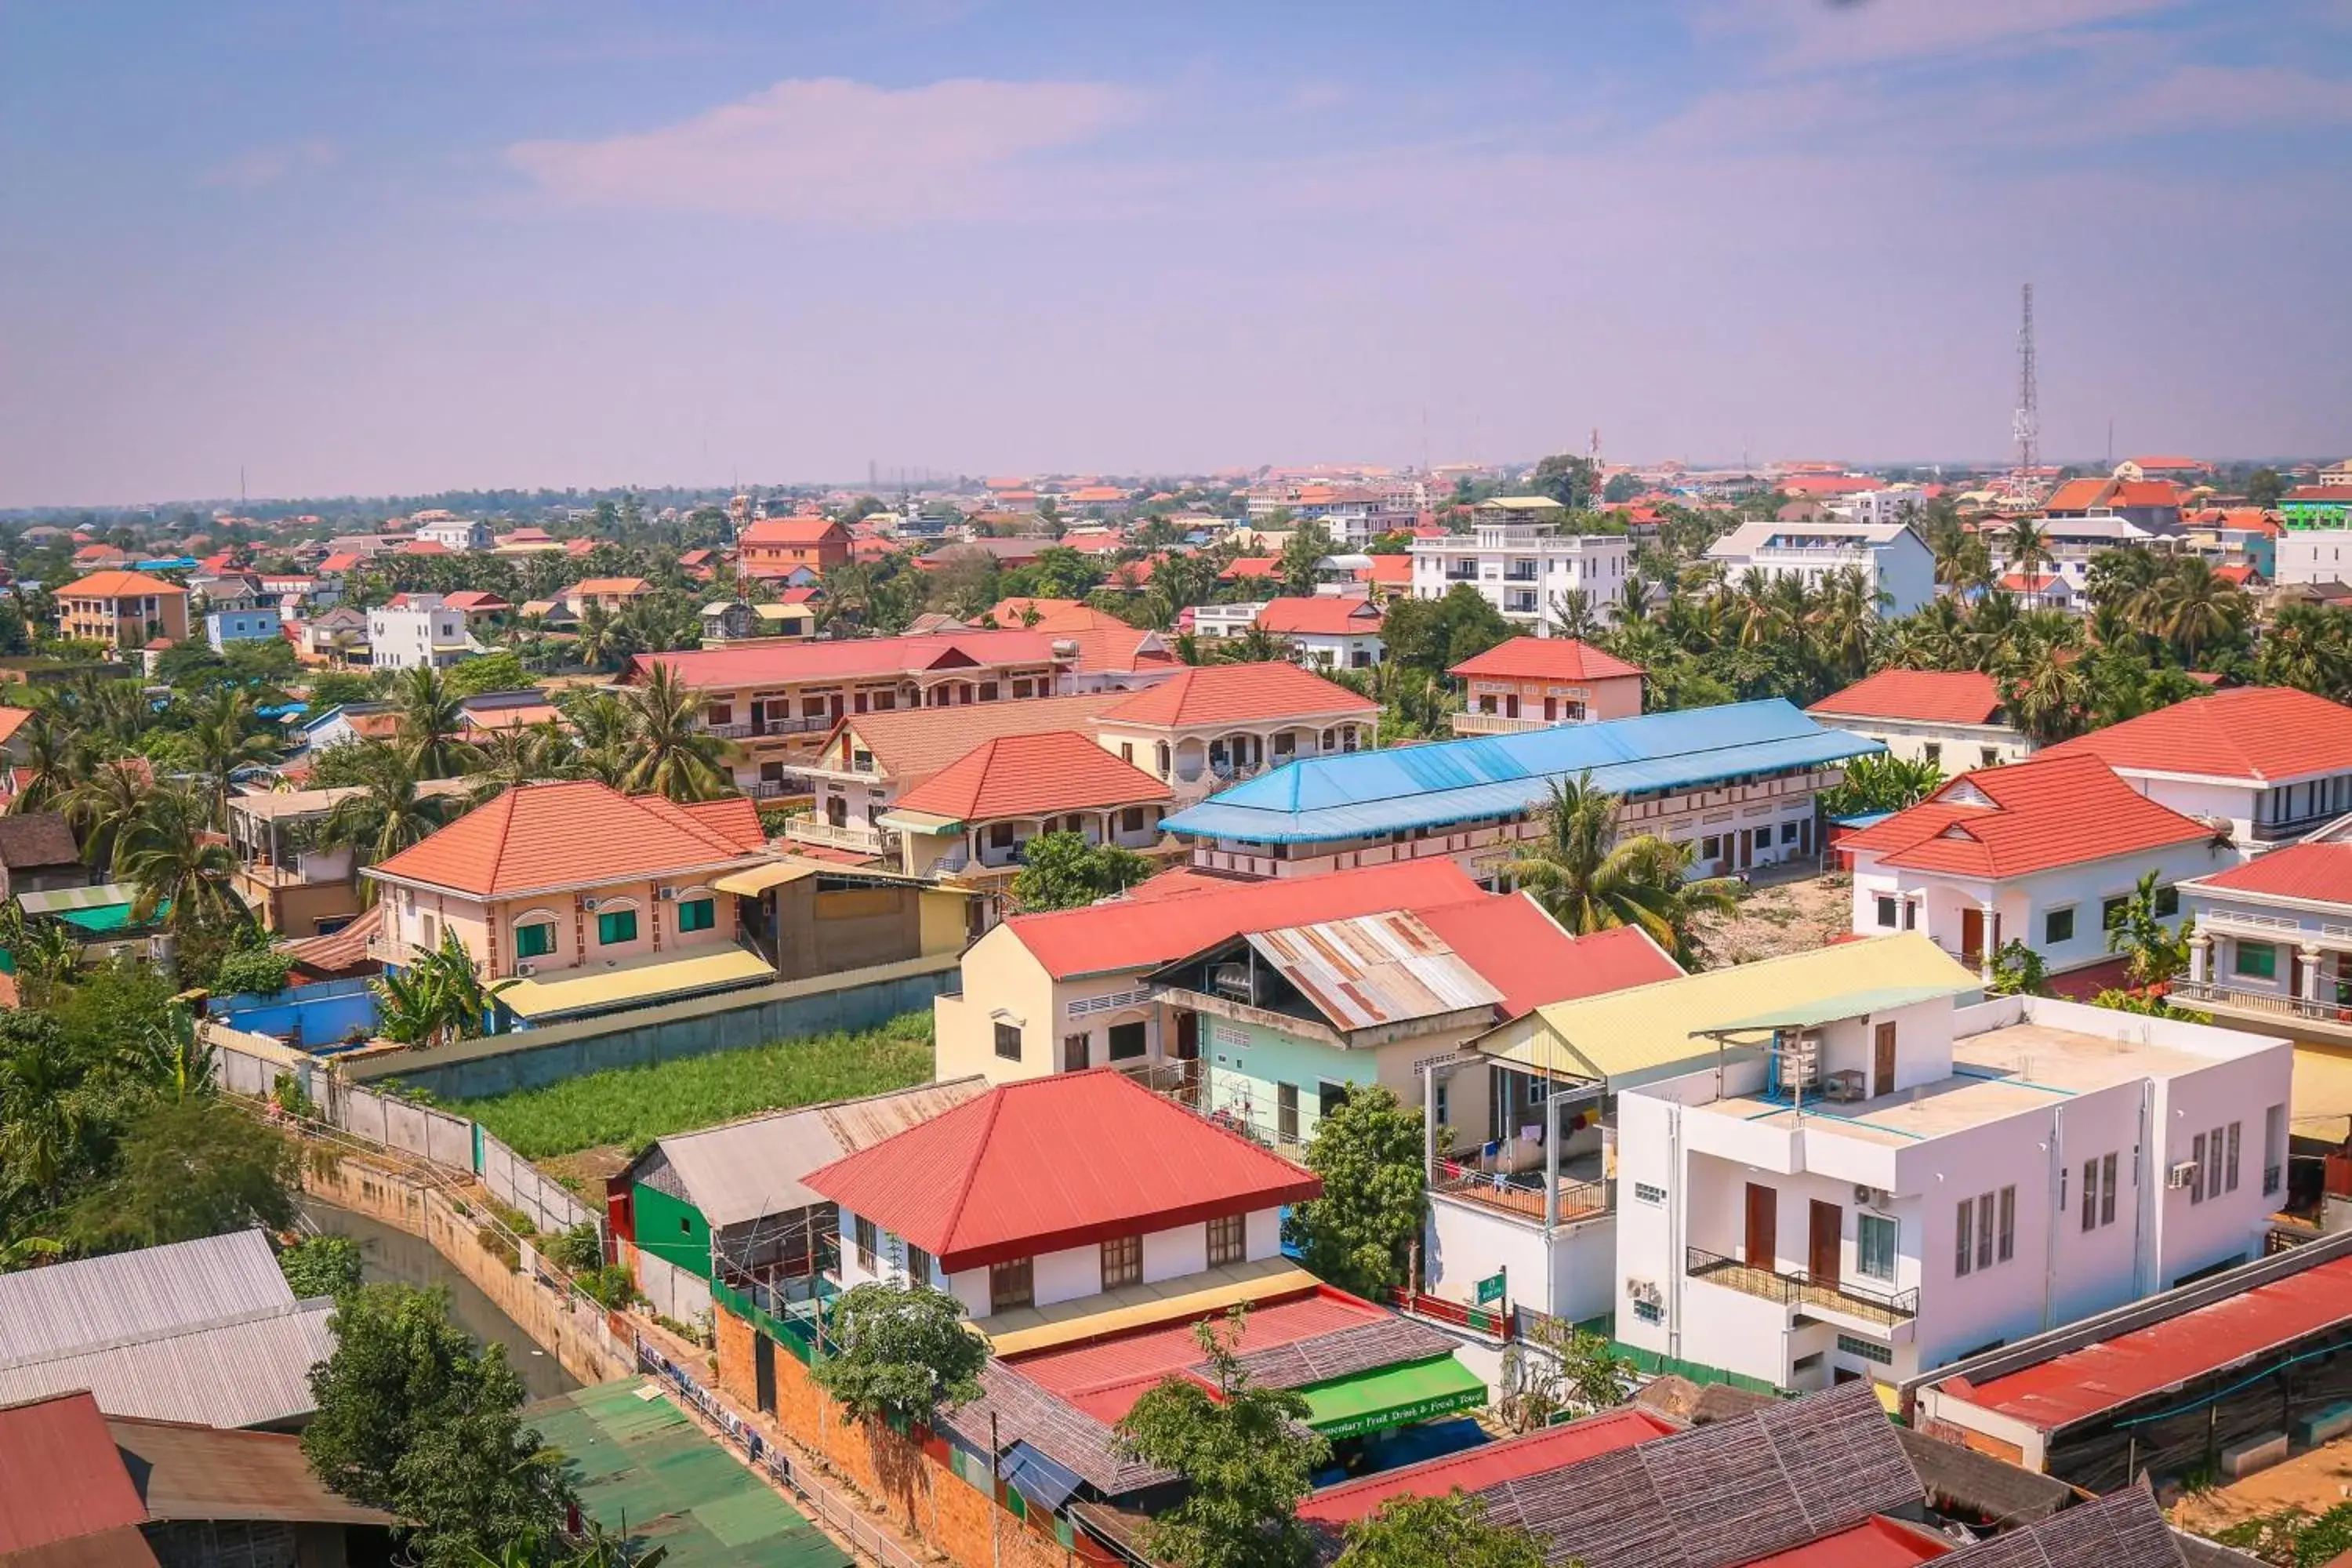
<point>387,246</point>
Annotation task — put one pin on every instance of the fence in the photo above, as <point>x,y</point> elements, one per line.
<point>822,1503</point>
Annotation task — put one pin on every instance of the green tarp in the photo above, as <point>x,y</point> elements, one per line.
<point>1392,1396</point>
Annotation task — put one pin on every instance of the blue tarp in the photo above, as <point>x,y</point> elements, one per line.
<point>1042,1481</point>
<point>1363,794</point>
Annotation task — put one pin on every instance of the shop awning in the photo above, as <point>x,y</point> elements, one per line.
<point>921,822</point>
<point>1392,1396</point>
<point>573,991</point>
<point>756,880</point>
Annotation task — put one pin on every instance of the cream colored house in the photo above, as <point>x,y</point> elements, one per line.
<point>1211,725</point>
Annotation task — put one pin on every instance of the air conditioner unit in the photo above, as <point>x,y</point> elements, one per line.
<point>1873,1197</point>
<point>589,904</point>
<point>526,970</point>
<point>1644,1290</point>
<point>2181,1174</point>
<point>668,895</point>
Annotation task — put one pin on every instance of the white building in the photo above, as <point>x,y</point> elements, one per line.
<point>2074,541</point>
<point>2046,852</point>
<point>2314,555</point>
<point>1518,558</point>
<point>1952,719</point>
<point>454,532</point>
<point>1880,507</point>
<point>2270,762</point>
<point>416,631</point>
<point>1895,561</point>
<point>1875,1185</point>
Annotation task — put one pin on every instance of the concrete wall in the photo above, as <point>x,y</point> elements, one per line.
<point>323,1013</point>
<point>734,1020</point>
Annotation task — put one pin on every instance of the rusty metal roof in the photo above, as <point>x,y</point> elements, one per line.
<point>1374,969</point>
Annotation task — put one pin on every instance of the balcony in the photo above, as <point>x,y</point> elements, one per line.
<point>864,837</point>
<point>1499,724</point>
<point>1522,1196</point>
<point>1815,554</point>
<point>1797,1289</point>
<point>2271,831</point>
<point>763,728</point>
<point>2263,1003</point>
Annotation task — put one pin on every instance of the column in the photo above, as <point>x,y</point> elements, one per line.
<point>1989,942</point>
<point>2200,959</point>
<point>2311,956</point>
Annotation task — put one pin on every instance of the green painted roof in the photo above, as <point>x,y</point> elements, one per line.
<point>644,1469</point>
<point>1392,1396</point>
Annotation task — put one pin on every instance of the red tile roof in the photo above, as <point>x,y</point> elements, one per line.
<point>2032,583</point>
<point>424,547</point>
<point>1543,658</point>
<point>1828,485</point>
<point>1523,952</point>
<point>1244,566</point>
<point>1393,571</point>
<point>2320,872</point>
<point>2077,495</point>
<point>64,1477</point>
<point>1031,776</point>
<point>795,530</point>
<point>578,833</point>
<point>2269,734</point>
<point>2141,1361</point>
<point>2145,493</point>
<point>343,560</point>
<point>1875,1542</point>
<point>1490,1465</point>
<point>119,584</point>
<point>1054,1163</point>
<point>625,588</point>
<point>1106,939</point>
<point>474,599</point>
<point>1924,696</point>
<point>718,669</point>
<point>1322,615</point>
<point>2341,494</point>
<point>2030,816</point>
<point>1239,693</point>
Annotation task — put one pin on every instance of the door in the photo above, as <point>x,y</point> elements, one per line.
<point>1882,1061</point>
<point>1285,1113</point>
<point>763,1372</point>
<point>1747,850</point>
<point>1763,1226</point>
<point>833,702</point>
<point>1551,709</point>
<point>1821,1243</point>
<point>1973,936</point>
<point>1187,1052</point>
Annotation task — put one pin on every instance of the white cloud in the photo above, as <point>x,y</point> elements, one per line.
<point>1810,34</point>
<point>262,166</point>
<point>836,150</point>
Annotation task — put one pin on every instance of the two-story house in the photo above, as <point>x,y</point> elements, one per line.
<point>1530,683</point>
<point>1893,559</point>
<point>1875,1184</point>
<point>298,886</point>
<point>125,610</point>
<point>783,546</point>
<point>1516,557</point>
<point>1326,631</point>
<point>452,532</point>
<point>1204,727</point>
<point>418,631</point>
<point>610,594</point>
<point>1951,719</point>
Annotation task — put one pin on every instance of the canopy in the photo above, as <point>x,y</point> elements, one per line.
<point>1392,1396</point>
<point>759,879</point>
<point>920,821</point>
<point>1834,1009</point>
<point>57,900</point>
<point>574,990</point>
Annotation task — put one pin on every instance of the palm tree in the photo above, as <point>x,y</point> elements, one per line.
<point>430,718</point>
<point>51,756</point>
<point>672,755</point>
<point>2027,547</point>
<point>1844,618</point>
<point>1252,645</point>
<point>388,815</point>
<point>105,805</point>
<point>46,1115</point>
<point>2047,697</point>
<point>171,858</point>
<point>223,741</point>
<point>2305,646</point>
<point>2195,607</point>
<point>1588,879</point>
<point>1302,552</point>
<point>1573,616</point>
<point>522,755</point>
<point>437,997</point>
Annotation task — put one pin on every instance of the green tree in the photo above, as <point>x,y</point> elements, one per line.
<point>430,722</point>
<point>188,1168</point>
<point>2264,486</point>
<point>2026,547</point>
<point>437,997</point>
<point>1302,553</point>
<point>1368,1151</point>
<point>50,1108</point>
<point>675,757</point>
<point>2155,951</point>
<point>899,1354</point>
<point>1566,478</point>
<point>1589,879</point>
<point>1450,1531</point>
<point>501,671</point>
<point>104,806</point>
<point>1244,1457</point>
<point>1880,782</point>
<point>171,858</point>
<point>255,971</point>
<point>1062,871</point>
<point>390,813</point>
<point>2018,971</point>
<point>321,1266</point>
<point>414,1419</point>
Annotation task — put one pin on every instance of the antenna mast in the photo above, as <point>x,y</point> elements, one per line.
<point>2026,424</point>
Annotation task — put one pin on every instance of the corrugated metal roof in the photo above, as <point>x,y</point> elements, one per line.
<point>246,1371</point>
<point>1646,1032</point>
<point>1374,969</point>
<point>745,1170</point>
<point>665,979</point>
<point>155,1290</point>
<point>59,1476</point>
<point>203,1472</point>
<point>1363,793</point>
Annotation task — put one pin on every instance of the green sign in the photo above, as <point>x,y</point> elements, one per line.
<point>1404,1415</point>
<point>1490,1289</point>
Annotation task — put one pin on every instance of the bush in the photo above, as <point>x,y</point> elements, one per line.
<point>321,1266</point>
<point>259,972</point>
<point>292,1098</point>
<point>608,1285</point>
<point>575,1251</point>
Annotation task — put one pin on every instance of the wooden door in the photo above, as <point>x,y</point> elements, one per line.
<point>1746,848</point>
<point>1973,936</point>
<point>1822,1243</point>
<point>763,1371</point>
<point>1285,1113</point>
<point>1763,1226</point>
<point>1882,1061</point>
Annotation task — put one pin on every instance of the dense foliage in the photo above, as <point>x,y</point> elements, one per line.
<point>1359,1234</point>
<point>1449,1531</point>
<point>1062,871</point>
<point>899,1354</point>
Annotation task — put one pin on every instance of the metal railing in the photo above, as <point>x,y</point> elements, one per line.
<point>861,836</point>
<point>1521,1192</point>
<point>1493,1323</point>
<point>1796,1288</point>
<point>1499,724</point>
<point>755,729</point>
<point>2260,1001</point>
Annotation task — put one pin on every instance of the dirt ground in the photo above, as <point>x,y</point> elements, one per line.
<point>2314,1481</point>
<point>586,1171</point>
<point>1781,918</point>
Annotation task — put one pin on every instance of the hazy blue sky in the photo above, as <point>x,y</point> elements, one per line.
<point>412,244</point>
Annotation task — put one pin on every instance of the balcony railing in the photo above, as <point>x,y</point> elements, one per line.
<point>756,729</point>
<point>863,837</point>
<point>1497,724</point>
<point>2294,827</point>
<point>2259,1002</point>
<point>1795,1288</point>
<point>1522,1194</point>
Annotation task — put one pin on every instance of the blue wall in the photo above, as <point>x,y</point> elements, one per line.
<point>324,1012</point>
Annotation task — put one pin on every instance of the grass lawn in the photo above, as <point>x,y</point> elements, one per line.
<point>632,1106</point>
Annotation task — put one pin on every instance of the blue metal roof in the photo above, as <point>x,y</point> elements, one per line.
<point>1356,794</point>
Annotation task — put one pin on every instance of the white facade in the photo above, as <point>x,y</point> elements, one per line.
<point>1219,621</point>
<point>1881,507</point>
<point>419,634</point>
<point>457,533</point>
<point>2314,555</point>
<point>2281,959</point>
<point>2073,541</point>
<point>2097,1157</point>
<point>2259,815</point>
<point>1895,561</point>
<point>1954,748</point>
<point>869,1253</point>
<point>1525,569</point>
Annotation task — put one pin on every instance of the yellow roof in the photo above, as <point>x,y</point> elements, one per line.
<point>1646,1032</point>
<point>759,879</point>
<point>1142,1306</point>
<point>663,980</point>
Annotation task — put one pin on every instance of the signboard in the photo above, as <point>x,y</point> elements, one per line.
<point>1405,1416</point>
<point>1490,1289</point>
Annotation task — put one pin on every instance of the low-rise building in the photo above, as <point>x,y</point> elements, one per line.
<point>2046,853</point>
<point>2314,554</point>
<point>1204,727</point>
<point>125,610</point>
<point>781,546</point>
<point>1953,719</point>
<point>1895,562</point>
<point>298,886</point>
<point>609,594</point>
<point>1531,683</point>
<point>2327,507</point>
<point>452,532</point>
<point>223,627</point>
<point>418,631</point>
<point>1738,783</point>
<point>1518,558</point>
<point>37,854</point>
<point>1327,631</point>
<point>1878,1183</point>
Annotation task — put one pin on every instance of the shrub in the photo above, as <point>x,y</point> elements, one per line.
<point>259,972</point>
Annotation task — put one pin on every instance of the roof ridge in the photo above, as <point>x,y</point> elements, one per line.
<point>994,1103</point>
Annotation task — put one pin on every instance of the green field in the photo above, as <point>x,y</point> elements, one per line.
<point>632,1106</point>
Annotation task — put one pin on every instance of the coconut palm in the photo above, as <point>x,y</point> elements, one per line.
<point>51,758</point>
<point>1590,880</point>
<point>2194,607</point>
<point>104,806</point>
<point>671,755</point>
<point>388,815</point>
<point>172,859</point>
<point>2305,646</point>
<point>430,719</point>
<point>222,740</point>
<point>522,755</point>
<point>1573,615</point>
<point>2026,546</point>
<point>1252,645</point>
<point>2048,698</point>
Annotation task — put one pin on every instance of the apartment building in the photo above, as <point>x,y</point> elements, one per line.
<point>1532,683</point>
<point>453,532</point>
<point>1355,515</point>
<point>1326,631</point>
<point>1952,719</point>
<point>783,546</point>
<point>418,631</point>
<point>1893,559</point>
<point>1874,1184</point>
<point>125,610</point>
<point>1880,507</point>
<point>1518,559</point>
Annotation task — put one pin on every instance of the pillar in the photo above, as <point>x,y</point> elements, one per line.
<point>2311,956</point>
<point>1991,942</point>
<point>2200,959</point>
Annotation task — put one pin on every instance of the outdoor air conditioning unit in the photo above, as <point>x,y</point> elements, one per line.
<point>1873,1197</point>
<point>526,971</point>
<point>2181,1174</point>
<point>1644,1290</point>
<point>588,904</point>
<point>669,895</point>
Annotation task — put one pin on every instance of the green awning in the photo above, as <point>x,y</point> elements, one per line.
<point>1392,1396</point>
<point>1835,1009</point>
<point>108,917</point>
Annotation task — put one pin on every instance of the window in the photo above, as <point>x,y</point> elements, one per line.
<point>1887,907</point>
<point>717,714</point>
<point>1008,1285</point>
<point>1122,1262</point>
<point>2058,926</point>
<point>1008,1042</point>
<point>1874,1235</point>
<point>2090,1194</point>
<point>432,933</point>
<point>1126,1041</point>
<point>698,914</point>
<point>1650,1312</point>
<point>1933,751</point>
<point>1864,1350</point>
<point>2108,1190</point>
<point>1710,847</point>
<point>1329,1097</point>
<point>2167,903</point>
<point>617,927</point>
<point>1964,1255</point>
<point>1228,1239</point>
<point>1000,836</point>
<point>1131,819</point>
<point>861,1233</point>
<point>2111,912</point>
<point>2197,1177</point>
<point>1987,757</point>
<point>2229,1161</point>
<point>1984,1230</point>
<point>2007,1224</point>
<point>536,939</point>
<point>1161,753</point>
<point>1788,833</point>
<point>2274,1148</point>
<point>2255,960</point>
<point>1126,752</point>
<point>919,1267</point>
<point>1075,1054</point>
<point>1644,1193</point>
